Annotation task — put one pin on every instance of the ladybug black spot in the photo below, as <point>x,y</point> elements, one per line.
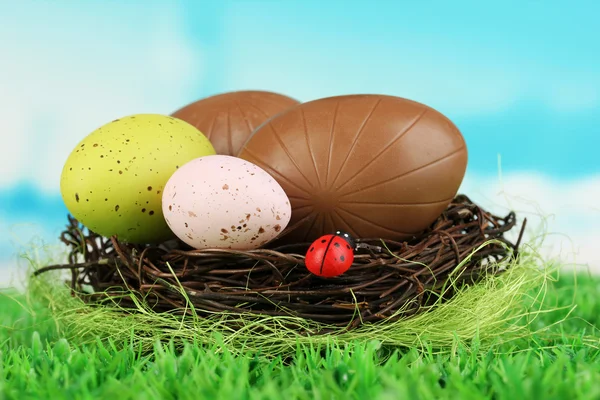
<point>336,244</point>
<point>348,247</point>
<point>312,249</point>
<point>342,258</point>
<point>323,241</point>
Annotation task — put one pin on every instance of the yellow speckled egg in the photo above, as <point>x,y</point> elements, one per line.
<point>112,181</point>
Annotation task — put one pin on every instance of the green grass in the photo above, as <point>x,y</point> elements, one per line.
<point>560,363</point>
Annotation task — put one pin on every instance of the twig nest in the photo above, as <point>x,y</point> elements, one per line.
<point>400,281</point>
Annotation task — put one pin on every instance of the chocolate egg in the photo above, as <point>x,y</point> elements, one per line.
<point>375,166</point>
<point>228,119</point>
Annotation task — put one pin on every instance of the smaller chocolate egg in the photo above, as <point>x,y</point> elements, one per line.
<point>225,202</point>
<point>229,119</point>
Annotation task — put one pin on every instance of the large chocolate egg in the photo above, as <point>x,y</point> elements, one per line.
<point>228,119</point>
<point>372,165</point>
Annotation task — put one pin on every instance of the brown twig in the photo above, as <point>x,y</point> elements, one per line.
<point>406,275</point>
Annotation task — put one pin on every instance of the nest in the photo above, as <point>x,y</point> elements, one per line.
<point>388,280</point>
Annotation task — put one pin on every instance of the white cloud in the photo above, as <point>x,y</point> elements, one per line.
<point>86,67</point>
<point>14,273</point>
<point>567,211</point>
<point>11,276</point>
<point>39,243</point>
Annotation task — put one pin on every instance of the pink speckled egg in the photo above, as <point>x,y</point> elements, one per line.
<point>220,201</point>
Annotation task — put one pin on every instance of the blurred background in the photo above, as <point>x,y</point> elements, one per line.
<point>521,80</point>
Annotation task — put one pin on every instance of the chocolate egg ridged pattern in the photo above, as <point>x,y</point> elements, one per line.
<point>228,119</point>
<point>376,166</point>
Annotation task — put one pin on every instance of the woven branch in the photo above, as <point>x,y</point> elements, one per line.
<point>400,280</point>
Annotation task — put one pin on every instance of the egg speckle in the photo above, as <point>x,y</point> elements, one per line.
<point>216,201</point>
<point>125,164</point>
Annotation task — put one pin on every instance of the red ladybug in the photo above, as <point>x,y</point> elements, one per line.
<point>330,255</point>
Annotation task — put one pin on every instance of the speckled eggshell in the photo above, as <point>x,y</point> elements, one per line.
<point>112,181</point>
<point>220,201</point>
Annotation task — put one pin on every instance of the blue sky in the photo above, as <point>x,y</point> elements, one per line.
<point>520,79</point>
